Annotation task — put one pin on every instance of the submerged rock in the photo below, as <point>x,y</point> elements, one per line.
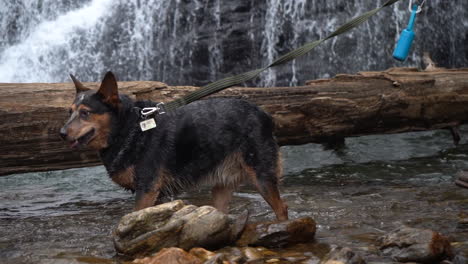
<point>459,259</point>
<point>229,255</point>
<point>462,221</point>
<point>462,179</point>
<point>217,259</point>
<point>232,254</point>
<point>252,254</point>
<point>278,234</point>
<point>202,253</point>
<point>408,244</point>
<point>170,255</point>
<point>342,255</point>
<point>173,224</point>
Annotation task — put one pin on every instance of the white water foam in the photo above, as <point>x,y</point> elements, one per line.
<point>28,61</point>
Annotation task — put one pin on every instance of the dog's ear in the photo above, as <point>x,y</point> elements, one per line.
<point>108,90</point>
<point>78,85</point>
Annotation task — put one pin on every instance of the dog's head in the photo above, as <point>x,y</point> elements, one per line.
<point>91,114</point>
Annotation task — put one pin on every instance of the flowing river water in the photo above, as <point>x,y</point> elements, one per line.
<point>355,194</point>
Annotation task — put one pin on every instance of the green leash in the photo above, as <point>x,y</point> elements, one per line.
<point>240,78</point>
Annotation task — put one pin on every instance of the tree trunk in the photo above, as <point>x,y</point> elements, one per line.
<point>322,111</point>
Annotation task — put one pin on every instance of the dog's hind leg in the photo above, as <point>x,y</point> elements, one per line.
<point>222,195</point>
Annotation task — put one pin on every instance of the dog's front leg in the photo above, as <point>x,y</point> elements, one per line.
<point>147,191</point>
<point>145,199</point>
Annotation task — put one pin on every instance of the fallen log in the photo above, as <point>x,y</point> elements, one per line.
<point>322,111</point>
<point>31,115</point>
<point>393,101</point>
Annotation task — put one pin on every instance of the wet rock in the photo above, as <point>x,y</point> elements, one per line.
<point>293,256</point>
<point>462,221</point>
<point>172,224</point>
<point>232,254</point>
<point>311,261</point>
<point>202,253</point>
<point>408,244</point>
<point>217,259</point>
<point>252,254</point>
<point>342,255</point>
<point>170,255</point>
<point>266,252</point>
<point>459,259</point>
<point>462,179</point>
<point>278,234</point>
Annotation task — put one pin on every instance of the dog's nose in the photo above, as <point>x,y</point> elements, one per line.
<point>63,133</point>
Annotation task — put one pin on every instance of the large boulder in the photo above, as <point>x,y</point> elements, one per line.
<point>173,224</point>
<point>408,244</point>
<point>278,234</point>
<point>176,224</point>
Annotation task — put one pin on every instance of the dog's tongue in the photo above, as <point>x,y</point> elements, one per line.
<point>74,144</point>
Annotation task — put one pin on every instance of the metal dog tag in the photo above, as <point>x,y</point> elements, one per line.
<point>147,124</point>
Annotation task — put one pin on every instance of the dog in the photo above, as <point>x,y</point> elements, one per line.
<point>222,142</point>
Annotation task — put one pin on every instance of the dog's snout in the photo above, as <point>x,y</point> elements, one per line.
<point>63,133</point>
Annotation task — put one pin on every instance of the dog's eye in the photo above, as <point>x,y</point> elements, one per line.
<point>84,113</point>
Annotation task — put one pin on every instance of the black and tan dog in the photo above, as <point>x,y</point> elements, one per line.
<point>221,142</point>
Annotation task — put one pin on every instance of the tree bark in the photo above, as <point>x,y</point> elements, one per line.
<point>322,111</point>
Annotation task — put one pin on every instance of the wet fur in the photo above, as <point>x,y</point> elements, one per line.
<point>221,142</point>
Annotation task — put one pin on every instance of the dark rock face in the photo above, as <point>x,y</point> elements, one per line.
<point>278,234</point>
<point>408,244</point>
<point>195,42</point>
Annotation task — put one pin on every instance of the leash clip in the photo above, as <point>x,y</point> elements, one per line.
<point>420,4</point>
<point>147,111</point>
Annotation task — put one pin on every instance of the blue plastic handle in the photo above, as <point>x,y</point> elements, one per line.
<point>406,38</point>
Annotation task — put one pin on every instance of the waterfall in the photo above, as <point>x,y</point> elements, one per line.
<point>35,58</point>
<point>271,38</point>
<point>196,42</point>
<point>289,12</point>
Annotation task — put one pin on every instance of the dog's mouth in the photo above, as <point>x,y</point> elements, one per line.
<point>83,140</point>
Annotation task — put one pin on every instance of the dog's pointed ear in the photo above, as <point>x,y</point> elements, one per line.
<point>108,90</point>
<point>78,85</point>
